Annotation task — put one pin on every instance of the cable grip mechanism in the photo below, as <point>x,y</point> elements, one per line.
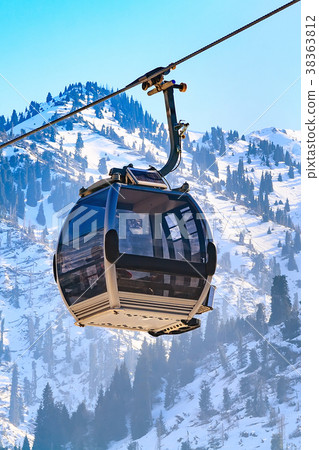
<point>177,129</point>
<point>181,128</point>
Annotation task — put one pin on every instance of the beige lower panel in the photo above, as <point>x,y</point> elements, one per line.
<point>140,312</point>
<point>120,319</point>
<point>90,307</point>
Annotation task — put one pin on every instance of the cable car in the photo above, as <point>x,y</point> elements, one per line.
<point>131,253</point>
<point>134,254</point>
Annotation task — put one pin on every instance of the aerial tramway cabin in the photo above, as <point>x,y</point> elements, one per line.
<point>136,256</point>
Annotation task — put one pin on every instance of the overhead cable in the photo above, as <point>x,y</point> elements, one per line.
<point>149,75</point>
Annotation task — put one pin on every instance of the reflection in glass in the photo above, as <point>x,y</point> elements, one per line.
<point>80,252</point>
<point>161,225</point>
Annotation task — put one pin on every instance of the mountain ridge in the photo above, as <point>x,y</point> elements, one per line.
<point>249,256</point>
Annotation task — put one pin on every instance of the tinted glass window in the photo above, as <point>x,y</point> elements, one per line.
<point>164,285</point>
<point>80,255</point>
<point>154,223</point>
<point>160,225</point>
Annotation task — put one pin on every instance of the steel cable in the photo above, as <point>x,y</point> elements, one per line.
<point>149,75</point>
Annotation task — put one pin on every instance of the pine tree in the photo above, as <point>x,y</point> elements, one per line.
<point>196,350</point>
<point>287,206</point>
<point>98,111</point>
<point>292,265</point>
<point>205,406</point>
<point>79,424</point>
<point>125,387</point>
<point>187,371</point>
<point>40,216</point>
<point>205,137</point>
<point>15,294</point>
<point>52,423</point>
<point>34,383</point>
<point>195,171</point>
<point>259,402</point>
<point>297,242</point>
<point>160,429</point>
<point>240,169</point>
<point>172,379</point>
<point>287,238</point>
<point>27,392</point>
<point>276,442</point>
<point>282,388</point>
<point>2,124</point>
<point>102,166</point>
<point>117,404</point>
<point>222,149</point>
<point>20,204</point>
<point>212,329</point>
<point>254,361</point>
<point>79,143</point>
<point>261,324</point>
<point>158,365</point>
<point>223,358</point>
<point>68,125</point>
<point>45,436</point>
<point>141,415</point>
<point>291,173</point>
<point>7,354</point>
<point>62,421</point>
<point>186,445</point>
<point>49,97</point>
<point>52,134</point>
<point>38,193</point>
<point>46,179</point>
<point>226,399</point>
<point>280,301</point>
<point>171,391</point>
<point>15,401</point>
<point>44,234</point>
<point>292,326</point>
<point>48,355</point>
<point>31,190</point>
<point>101,416</point>
<point>241,353</point>
<point>265,366</point>
<point>26,445</point>
<point>287,158</point>
<point>14,118</point>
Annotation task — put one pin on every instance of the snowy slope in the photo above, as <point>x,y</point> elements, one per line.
<point>26,262</point>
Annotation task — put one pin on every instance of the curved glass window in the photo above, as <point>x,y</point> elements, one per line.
<point>161,225</point>
<point>80,256</point>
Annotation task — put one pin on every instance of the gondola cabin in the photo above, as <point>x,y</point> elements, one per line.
<point>135,255</point>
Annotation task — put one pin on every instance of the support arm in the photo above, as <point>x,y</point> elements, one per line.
<point>175,138</point>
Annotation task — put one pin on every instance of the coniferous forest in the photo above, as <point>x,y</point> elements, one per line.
<point>138,396</point>
<point>125,407</point>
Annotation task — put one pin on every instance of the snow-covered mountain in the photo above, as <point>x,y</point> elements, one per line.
<point>257,238</point>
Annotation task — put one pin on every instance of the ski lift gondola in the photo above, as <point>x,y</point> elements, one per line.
<point>131,253</point>
<point>134,254</point>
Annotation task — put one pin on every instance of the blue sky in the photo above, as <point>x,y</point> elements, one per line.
<point>47,45</point>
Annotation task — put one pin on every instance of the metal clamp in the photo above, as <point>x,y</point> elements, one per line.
<point>176,129</point>
<point>181,128</point>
